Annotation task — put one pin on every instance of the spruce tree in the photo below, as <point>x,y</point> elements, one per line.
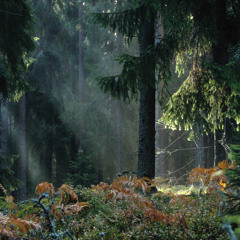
<point>16,26</point>
<point>203,101</point>
<point>138,74</point>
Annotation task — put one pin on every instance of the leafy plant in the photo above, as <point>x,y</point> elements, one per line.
<point>124,188</point>
<point>52,215</point>
<point>233,176</point>
<point>213,178</point>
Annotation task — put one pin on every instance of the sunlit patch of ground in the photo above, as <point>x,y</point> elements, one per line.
<point>164,186</point>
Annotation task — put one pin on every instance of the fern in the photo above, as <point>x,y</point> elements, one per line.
<point>213,178</point>
<point>67,194</point>
<point>45,216</point>
<point>45,187</point>
<point>124,188</point>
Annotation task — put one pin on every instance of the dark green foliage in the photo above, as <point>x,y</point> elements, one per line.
<point>120,86</point>
<point>233,176</point>
<point>127,22</point>
<point>130,81</point>
<point>211,92</point>
<point>232,221</point>
<point>7,175</point>
<point>82,171</point>
<point>205,101</point>
<point>15,41</point>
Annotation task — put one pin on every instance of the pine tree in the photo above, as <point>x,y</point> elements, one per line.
<point>138,74</point>
<point>202,102</point>
<point>16,26</point>
<point>16,39</point>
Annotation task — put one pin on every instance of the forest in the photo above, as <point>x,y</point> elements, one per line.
<point>120,119</point>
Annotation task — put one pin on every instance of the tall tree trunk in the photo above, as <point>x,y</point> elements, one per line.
<point>100,174</point>
<point>49,121</point>
<point>4,129</point>
<point>146,146</point>
<point>81,69</point>
<point>160,154</point>
<point>199,144</point>
<point>4,138</point>
<point>119,110</point>
<point>48,159</point>
<point>22,173</point>
<point>48,87</point>
<point>119,136</point>
<point>208,142</point>
<point>220,56</point>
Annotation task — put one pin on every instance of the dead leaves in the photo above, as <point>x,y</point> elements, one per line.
<point>68,202</point>
<point>133,182</point>
<point>75,208</point>
<point>213,177</point>
<point>124,188</point>
<point>9,226</point>
<point>66,205</point>
<point>67,194</point>
<point>45,187</point>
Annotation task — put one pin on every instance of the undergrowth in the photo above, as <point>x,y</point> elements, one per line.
<point>125,209</point>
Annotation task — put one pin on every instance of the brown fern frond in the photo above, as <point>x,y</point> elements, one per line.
<point>75,208</point>
<point>67,194</point>
<point>6,222</point>
<point>6,232</point>
<point>102,186</point>
<point>24,225</point>
<point>45,187</point>
<point>225,164</point>
<point>156,215</point>
<point>213,177</point>
<point>56,211</point>
<point>133,182</point>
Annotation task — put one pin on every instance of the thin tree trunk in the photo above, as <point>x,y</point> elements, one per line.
<point>119,110</point>
<point>49,121</point>
<point>119,136</point>
<point>81,70</point>
<point>146,146</point>
<point>220,56</point>
<point>4,129</point>
<point>160,154</point>
<point>100,169</point>
<point>199,144</point>
<point>22,173</point>
<point>48,159</point>
<point>208,142</point>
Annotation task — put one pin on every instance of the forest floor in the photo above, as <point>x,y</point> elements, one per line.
<point>125,209</point>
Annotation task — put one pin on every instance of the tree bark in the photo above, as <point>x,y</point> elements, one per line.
<point>119,136</point>
<point>220,56</point>
<point>200,153</point>
<point>119,111</point>
<point>49,122</point>
<point>146,146</point>
<point>208,142</point>
<point>4,129</point>
<point>81,70</point>
<point>100,174</point>
<point>160,154</point>
<point>48,87</point>
<point>22,173</point>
